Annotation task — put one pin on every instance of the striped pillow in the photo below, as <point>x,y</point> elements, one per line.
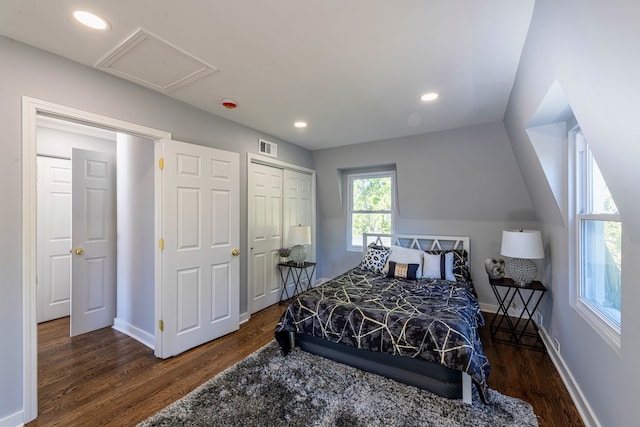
<point>438,266</point>
<point>402,271</point>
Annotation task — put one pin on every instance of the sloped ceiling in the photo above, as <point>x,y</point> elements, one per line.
<point>353,70</point>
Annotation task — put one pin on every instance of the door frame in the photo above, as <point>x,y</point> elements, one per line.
<point>266,161</point>
<point>31,107</point>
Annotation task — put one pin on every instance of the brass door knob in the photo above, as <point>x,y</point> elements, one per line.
<point>235,252</point>
<point>78,251</point>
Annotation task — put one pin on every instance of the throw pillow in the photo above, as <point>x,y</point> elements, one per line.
<point>402,271</point>
<point>438,266</point>
<point>375,258</point>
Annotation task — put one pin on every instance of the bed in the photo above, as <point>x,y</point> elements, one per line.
<point>415,324</point>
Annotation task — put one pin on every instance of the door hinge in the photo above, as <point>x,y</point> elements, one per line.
<point>161,325</point>
<point>161,163</point>
<point>161,244</point>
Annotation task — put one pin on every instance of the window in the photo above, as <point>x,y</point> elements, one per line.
<point>371,206</point>
<point>599,238</point>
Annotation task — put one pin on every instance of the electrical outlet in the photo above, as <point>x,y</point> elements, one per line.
<point>556,344</point>
<point>537,317</point>
<point>515,307</point>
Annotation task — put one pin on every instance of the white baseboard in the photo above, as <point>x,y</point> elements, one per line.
<point>493,308</point>
<point>583,407</point>
<point>13,420</point>
<point>134,332</point>
<point>244,317</point>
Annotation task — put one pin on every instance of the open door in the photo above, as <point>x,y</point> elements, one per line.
<point>93,236</point>
<point>200,229</point>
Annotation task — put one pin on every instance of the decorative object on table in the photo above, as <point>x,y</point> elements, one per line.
<point>299,236</point>
<point>284,254</point>
<point>307,390</point>
<point>494,267</point>
<point>521,246</point>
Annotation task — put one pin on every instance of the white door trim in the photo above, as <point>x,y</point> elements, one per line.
<point>31,107</point>
<point>254,158</point>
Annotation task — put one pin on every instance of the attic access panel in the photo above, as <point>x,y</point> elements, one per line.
<point>147,60</point>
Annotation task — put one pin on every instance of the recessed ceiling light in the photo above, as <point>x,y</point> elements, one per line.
<point>90,20</point>
<point>300,124</point>
<point>431,96</point>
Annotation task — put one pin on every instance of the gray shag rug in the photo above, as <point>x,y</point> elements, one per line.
<point>301,389</point>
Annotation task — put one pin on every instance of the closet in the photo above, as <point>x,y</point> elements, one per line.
<point>280,195</point>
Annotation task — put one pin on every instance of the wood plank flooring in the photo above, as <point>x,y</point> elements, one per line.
<point>108,379</point>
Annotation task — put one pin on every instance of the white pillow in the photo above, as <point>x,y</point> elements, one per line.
<point>433,266</point>
<point>401,255</point>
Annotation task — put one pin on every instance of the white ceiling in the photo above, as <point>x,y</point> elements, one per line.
<point>353,69</point>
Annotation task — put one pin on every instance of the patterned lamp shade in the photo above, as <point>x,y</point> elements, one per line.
<point>298,237</point>
<point>521,246</point>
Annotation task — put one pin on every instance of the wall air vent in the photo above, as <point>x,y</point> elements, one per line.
<point>268,148</point>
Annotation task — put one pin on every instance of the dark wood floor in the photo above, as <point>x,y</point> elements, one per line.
<point>105,378</point>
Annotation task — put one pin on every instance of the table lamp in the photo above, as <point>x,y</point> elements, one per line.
<point>521,246</point>
<point>299,236</point>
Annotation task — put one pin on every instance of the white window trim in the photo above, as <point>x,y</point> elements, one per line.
<point>609,331</point>
<point>350,177</point>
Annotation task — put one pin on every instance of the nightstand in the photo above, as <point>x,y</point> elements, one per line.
<point>295,271</point>
<point>517,330</point>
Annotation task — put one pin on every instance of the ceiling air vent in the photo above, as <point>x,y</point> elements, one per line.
<point>268,148</point>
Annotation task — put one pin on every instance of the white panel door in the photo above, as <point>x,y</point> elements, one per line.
<point>265,235</point>
<point>54,238</point>
<point>200,298</point>
<point>298,206</point>
<point>93,235</point>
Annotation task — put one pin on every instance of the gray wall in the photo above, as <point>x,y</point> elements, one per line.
<point>26,71</point>
<point>136,238</point>
<point>59,143</point>
<point>590,49</point>
<point>459,182</point>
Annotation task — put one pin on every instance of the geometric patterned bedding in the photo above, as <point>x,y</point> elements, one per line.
<point>427,319</point>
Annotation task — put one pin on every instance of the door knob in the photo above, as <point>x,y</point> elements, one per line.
<point>235,252</point>
<point>78,251</point>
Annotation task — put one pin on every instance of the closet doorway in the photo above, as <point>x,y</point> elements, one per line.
<point>279,195</point>
<point>33,109</point>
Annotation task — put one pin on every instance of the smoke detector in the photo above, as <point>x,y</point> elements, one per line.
<point>229,104</point>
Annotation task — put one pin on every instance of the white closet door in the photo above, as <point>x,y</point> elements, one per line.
<point>265,235</point>
<point>201,230</point>
<point>299,205</point>
<point>54,238</point>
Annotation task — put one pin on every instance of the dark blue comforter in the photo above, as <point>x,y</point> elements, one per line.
<point>428,319</point>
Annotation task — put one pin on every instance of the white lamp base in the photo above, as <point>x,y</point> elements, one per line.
<point>298,254</point>
<point>522,271</point>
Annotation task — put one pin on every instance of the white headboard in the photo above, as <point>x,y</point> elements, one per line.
<point>422,242</point>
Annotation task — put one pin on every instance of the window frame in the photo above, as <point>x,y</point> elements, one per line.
<point>609,330</point>
<point>350,211</point>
